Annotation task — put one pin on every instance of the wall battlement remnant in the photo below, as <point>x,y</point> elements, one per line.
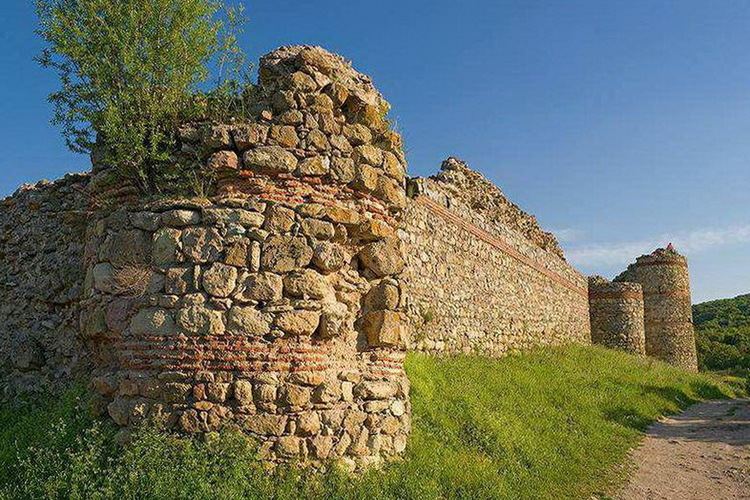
<point>284,302</point>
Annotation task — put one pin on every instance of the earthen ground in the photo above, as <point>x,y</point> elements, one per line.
<point>702,453</point>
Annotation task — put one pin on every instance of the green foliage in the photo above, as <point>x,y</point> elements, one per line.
<point>724,313</point>
<point>723,334</point>
<point>129,73</point>
<point>553,423</point>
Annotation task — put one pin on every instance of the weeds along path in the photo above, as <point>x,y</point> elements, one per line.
<point>702,453</point>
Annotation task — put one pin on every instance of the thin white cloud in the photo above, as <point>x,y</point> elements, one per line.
<point>567,235</point>
<point>689,242</point>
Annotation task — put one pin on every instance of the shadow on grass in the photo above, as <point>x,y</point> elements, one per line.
<point>631,417</point>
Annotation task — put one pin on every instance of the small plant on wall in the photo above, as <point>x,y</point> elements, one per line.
<point>130,72</point>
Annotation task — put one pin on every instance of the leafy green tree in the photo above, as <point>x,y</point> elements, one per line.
<point>129,73</point>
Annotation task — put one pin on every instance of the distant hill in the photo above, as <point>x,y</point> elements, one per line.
<point>724,313</point>
<point>723,333</point>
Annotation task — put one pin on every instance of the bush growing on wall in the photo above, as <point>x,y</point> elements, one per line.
<point>129,72</point>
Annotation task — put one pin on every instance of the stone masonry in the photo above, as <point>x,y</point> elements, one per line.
<point>481,276</point>
<point>277,304</point>
<point>42,228</point>
<point>668,317</point>
<point>617,315</point>
<point>284,302</point>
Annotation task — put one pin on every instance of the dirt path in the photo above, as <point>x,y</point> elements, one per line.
<point>702,453</point>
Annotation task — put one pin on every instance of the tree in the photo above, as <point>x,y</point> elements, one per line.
<point>129,71</point>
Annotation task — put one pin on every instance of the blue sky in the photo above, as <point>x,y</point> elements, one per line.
<point>621,125</point>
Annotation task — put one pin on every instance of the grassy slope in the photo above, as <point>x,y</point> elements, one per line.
<point>549,424</point>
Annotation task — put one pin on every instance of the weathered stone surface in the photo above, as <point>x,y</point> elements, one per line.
<point>385,328</point>
<point>317,140</point>
<point>247,321</point>
<point>289,446</point>
<point>382,258</point>
<point>365,178</point>
<point>318,229</point>
<point>247,136</point>
<point>179,280</point>
<point>104,278</point>
<point>317,165</point>
<point>334,320</point>
<point>269,160</point>
<point>243,392</point>
<point>262,287</point>
<point>238,253</point>
<point>390,191</point>
<point>266,425</point>
<point>200,320</point>
<point>217,137</point>
<point>152,322</point>
<point>373,230</point>
<point>130,247</point>
<point>227,216</point>
<point>383,296</point>
<point>306,284</point>
<point>330,257</point>
<point>284,135</point>
<point>285,253</point>
<point>298,322</point>
<point>279,219</point>
<point>308,424</point>
<point>295,395</point>
<point>342,169</point>
<point>358,134</point>
<point>180,218</point>
<point>166,247</point>
<point>368,154</point>
<point>201,244</point>
<point>375,390</point>
<point>220,280</point>
<point>341,215</point>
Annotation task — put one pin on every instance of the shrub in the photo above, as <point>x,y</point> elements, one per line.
<point>129,72</point>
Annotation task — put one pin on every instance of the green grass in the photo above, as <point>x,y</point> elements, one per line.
<point>554,423</point>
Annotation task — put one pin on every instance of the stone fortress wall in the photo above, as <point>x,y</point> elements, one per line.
<point>617,315</point>
<point>42,232</point>
<point>285,303</point>
<point>481,276</point>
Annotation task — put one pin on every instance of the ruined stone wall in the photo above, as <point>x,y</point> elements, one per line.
<point>481,276</point>
<point>617,315</point>
<point>42,229</point>
<point>668,318</point>
<point>276,304</point>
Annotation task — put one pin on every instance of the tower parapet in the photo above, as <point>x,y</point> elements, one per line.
<point>668,320</point>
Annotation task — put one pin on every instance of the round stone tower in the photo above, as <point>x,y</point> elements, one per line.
<point>616,311</point>
<point>668,317</point>
<point>275,305</point>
